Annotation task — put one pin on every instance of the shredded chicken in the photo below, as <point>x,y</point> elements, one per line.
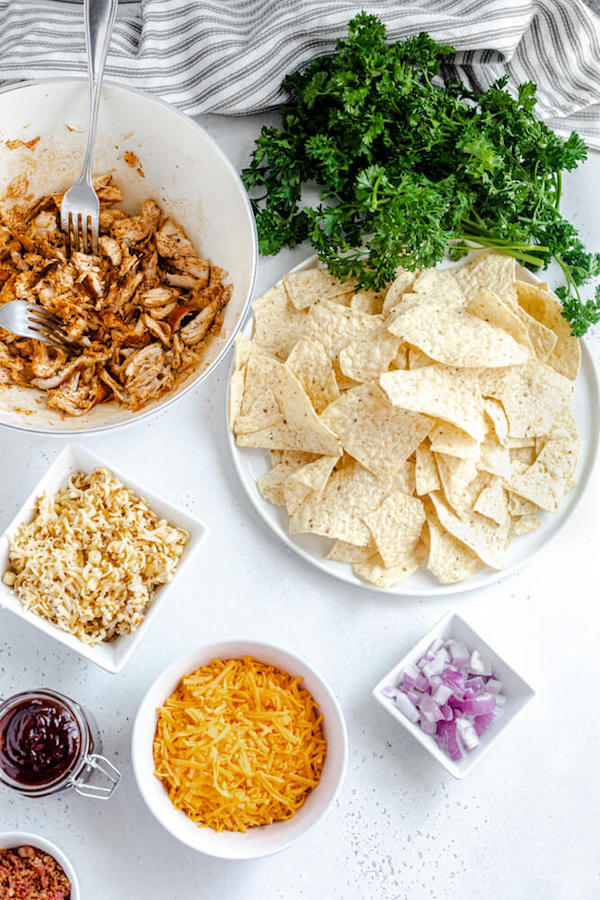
<point>139,312</point>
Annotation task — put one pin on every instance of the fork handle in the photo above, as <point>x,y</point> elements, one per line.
<point>99,18</point>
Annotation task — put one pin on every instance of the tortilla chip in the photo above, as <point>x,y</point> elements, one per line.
<point>307,287</point>
<point>495,413</point>
<point>365,360</point>
<point>402,283</point>
<point>371,430</point>
<point>523,525</point>
<point>549,478</point>
<point>546,309</point>
<point>542,339</point>
<point>312,367</point>
<point>494,458</point>
<point>338,512</point>
<point>493,502</point>
<point>271,485</point>
<point>310,478</point>
<point>461,482</point>
<point>484,537</point>
<point>442,282</point>
<point>298,426</point>
<point>492,309</point>
<point>336,326</point>
<point>370,302</point>
<point>445,393</point>
<point>427,478</point>
<point>400,361</point>
<point>374,571</point>
<point>446,438</point>
<point>518,506</point>
<point>396,526</point>
<point>350,553</point>
<point>277,324</point>
<point>236,396</point>
<point>488,271</point>
<point>242,349</point>
<point>416,359</point>
<point>453,336</point>
<point>259,408</point>
<point>533,396</point>
<point>449,560</point>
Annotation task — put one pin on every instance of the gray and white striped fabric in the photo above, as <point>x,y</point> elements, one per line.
<point>229,56</point>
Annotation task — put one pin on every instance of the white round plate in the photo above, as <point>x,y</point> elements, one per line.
<point>251,464</point>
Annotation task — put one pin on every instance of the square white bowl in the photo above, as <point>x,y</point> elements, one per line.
<point>516,690</point>
<point>112,655</point>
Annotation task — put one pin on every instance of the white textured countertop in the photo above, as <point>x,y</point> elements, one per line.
<point>522,826</point>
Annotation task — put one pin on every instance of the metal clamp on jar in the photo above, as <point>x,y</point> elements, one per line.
<point>48,744</point>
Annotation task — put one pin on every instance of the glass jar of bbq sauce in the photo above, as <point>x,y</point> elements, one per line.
<point>49,743</point>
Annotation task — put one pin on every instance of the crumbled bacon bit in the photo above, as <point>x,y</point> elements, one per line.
<point>133,162</point>
<point>13,143</point>
<point>31,873</point>
<point>145,290</point>
<point>131,159</point>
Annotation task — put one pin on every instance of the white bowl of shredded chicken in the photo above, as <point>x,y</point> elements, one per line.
<point>157,308</point>
<point>91,556</point>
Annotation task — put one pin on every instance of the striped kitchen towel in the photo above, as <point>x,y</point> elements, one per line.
<point>229,56</point>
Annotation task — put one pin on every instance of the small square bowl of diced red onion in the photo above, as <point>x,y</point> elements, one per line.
<point>454,693</point>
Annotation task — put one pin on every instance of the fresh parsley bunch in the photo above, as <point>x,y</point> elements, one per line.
<point>409,170</point>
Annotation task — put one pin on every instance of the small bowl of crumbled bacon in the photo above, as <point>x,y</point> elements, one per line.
<point>239,748</point>
<point>155,309</point>
<point>33,867</point>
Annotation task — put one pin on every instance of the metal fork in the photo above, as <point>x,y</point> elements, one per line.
<point>80,207</point>
<point>30,321</point>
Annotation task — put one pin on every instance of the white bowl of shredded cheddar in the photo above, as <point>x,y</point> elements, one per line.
<point>157,156</point>
<point>236,735</point>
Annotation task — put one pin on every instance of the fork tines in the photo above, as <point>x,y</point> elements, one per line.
<point>79,238</point>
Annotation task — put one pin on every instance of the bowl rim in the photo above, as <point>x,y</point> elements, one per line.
<point>23,838</point>
<point>169,400</point>
<point>181,666</point>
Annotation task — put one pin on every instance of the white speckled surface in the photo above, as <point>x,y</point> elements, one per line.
<point>520,827</point>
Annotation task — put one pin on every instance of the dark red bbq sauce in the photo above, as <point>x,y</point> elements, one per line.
<point>39,741</point>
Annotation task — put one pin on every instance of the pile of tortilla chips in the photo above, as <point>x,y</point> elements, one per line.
<point>427,423</point>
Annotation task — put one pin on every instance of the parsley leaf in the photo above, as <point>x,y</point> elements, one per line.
<point>410,170</point>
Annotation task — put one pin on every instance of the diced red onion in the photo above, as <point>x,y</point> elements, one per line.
<point>389,691</point>
<point>447,712</point>
<point>429,709</point>
<point>407,708</point>
<point>476,685</point>
<point>442,693</point>
<point>458,652</point>
<point>479,706</point>
<point>467,734</point>
<point>482,723</point>
<point>479,666</point>
<point>434,666</point>
<point>436,645</point>
<point>422,682</point>
<point>428,727</point>
<point>451,694</point>
<point>407,683</point>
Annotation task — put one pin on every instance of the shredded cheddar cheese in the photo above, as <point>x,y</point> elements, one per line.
<point>239,744</point>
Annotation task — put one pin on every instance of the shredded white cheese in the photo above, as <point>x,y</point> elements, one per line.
<point>92,557</point>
